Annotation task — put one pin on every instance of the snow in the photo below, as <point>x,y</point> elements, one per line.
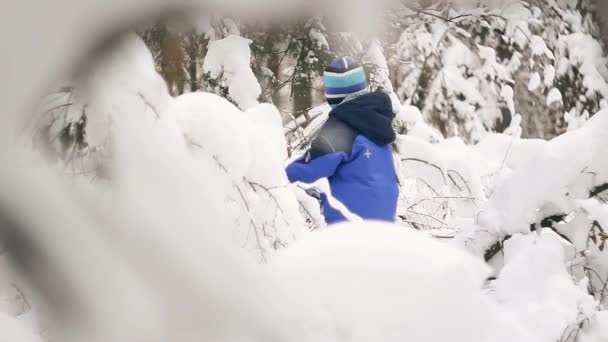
<point>527,48</point>
<point>411,117</point>
<point>13,330</point>
<point>362,276</point>
<point>514,128</point>
<point>550,194</point>
<point>534,81</point>
<point>380,76</point>
<point>575,120</point>
<point>507,150</point>
<point>507,95</point>
<point>555,96</point>
<point>538,289</point>
<point>202,115</point>
<point>539,47</point>
<point>319,38</point>
<point>105,101</point>
<point>599,330</point>
<point>228,61</point>
<point>18,321</point>
<point>516,27</point>
<point>585,53</point>
<point>549,75</point>
<point>255,188</point>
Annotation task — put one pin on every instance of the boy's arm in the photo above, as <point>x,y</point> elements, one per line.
<point>329,149</point>
<point>308,170</point>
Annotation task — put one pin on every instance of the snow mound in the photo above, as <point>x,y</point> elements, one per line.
<point>376,282</point>
<point>11,329</point>
<point>536,287</point>
<point>506,151</point>
<point>599,330</point>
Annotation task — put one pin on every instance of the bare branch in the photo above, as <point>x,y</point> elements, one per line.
<point>598,190</point>
<point>427,163</point>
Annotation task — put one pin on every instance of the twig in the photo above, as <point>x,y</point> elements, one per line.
<point>598,190</point>
<point>149,104</point>
<point>25,304</point>
<point>428,185</point>
<point>427,163</point>
<point>252,222</point>
<point>59,107</point>
<point>461,177</point>
<point>496,248</point>
<point>429,216</point>
<point>460,198</point>
<point>416,225</point>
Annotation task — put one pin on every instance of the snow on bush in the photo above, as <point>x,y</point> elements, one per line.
<point>456,83</point>
<point>555,282</point>
<point>18,317</point>
<point>74,124</point>
<point>379,78</point>
<point>248,170</point>
<point>411,121</point>
<point>535,286</point>
<point>472,70</point>
<point>255,187</point>
<point>227,63</point>
<point>574,172</point>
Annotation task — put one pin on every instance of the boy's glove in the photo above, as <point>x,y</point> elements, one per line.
<point>313,192</point>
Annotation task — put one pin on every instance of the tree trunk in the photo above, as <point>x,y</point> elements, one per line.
<point>601,11</point>
<point>192,62</point>
<point>301,105</point>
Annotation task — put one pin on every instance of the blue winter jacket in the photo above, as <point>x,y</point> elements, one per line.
<point>353,151</point>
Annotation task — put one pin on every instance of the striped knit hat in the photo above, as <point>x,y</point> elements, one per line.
<point>343,78</point>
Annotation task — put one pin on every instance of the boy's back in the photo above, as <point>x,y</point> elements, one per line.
<point>353,151</point>
<point>367,184</point>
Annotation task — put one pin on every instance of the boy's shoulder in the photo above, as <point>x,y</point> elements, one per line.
<point>335,136</point>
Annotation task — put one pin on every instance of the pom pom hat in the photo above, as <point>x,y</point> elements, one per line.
<point>343,78</point>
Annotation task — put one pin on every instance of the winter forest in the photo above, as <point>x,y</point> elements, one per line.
<point>176,136</point>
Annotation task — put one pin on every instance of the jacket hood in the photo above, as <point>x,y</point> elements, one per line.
<point>371,115</point>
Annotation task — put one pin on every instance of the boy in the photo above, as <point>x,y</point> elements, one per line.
<point>353,148</point>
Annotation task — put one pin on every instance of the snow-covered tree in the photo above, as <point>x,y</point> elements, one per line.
<point>473,70</point>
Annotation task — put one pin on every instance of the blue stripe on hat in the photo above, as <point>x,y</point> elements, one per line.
<point>346,90</point>
<point>342,78</point>
<point>335,81</point>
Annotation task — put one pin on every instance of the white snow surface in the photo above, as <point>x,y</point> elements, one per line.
<point>228,61</point>
<point>534,82</point>
<point>573,172</point>
<point>584,52</point>
<point>535,285</point>
<point>555,96</point>
<point>251,167</point>
<point>361,277</point>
